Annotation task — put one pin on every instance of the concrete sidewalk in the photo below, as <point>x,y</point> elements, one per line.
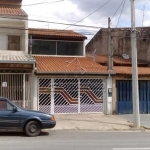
<point>99,122</point>
<point>144,119</point>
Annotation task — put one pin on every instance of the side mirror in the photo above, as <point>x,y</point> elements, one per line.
<point>15,109</point>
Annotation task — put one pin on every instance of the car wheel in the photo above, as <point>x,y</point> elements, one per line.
<point>33,128</point>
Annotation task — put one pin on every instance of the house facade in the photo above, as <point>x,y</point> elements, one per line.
<point>16,66</point>
<point>47,70</point>
<point>122,84</point>
<point>122,66</point>
<point>67,81</point>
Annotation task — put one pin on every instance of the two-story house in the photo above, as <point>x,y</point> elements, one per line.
<point>16,66</point>
<point>67,81</point>
<point>52,73</point>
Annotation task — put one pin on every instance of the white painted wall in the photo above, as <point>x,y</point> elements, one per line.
<point>13,27</point>
<point>107,99</point>
<point>3,42</point>
<point>52,95</point>
<point>105,96</point>
<point>34,92</point>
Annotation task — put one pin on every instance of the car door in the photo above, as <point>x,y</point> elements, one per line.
<point>8,117</point>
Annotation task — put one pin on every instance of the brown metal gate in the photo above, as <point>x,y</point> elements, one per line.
<point>16,87</point>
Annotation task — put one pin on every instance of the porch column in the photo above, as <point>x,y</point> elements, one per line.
<point>34,92</point>
<point>79,97</point>
<point>108,96</point>
<point>26,37</point>
<point>24,91</point>
<point>52,95</point>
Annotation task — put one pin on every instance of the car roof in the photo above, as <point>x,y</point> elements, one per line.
<point>3,97</point>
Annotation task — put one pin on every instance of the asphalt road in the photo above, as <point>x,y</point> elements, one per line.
<point>76,140</point>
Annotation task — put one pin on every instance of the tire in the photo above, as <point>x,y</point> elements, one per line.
<point>32,129</point>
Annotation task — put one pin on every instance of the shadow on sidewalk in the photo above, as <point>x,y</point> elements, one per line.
<point>95,121</point>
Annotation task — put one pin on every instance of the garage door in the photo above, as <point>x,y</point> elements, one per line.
<point>71,95</point>
<point>124,97</point>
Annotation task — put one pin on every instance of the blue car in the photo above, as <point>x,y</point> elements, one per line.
<point>15,118</point>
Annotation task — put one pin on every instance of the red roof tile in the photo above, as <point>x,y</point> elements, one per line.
<point>56,33</point>
<point>49,64</point>
<point>9,11</point>
<point>117,60</point>
<point>128,70</point>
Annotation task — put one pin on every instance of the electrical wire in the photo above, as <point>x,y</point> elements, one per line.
<point>42,21</point>
<point>83,32</point>
<point>43,3</point>
<point>54,18</point>
<point>121,13</point>
<point>117,10</point>
<point>103,37</point>
<point>89,14</point>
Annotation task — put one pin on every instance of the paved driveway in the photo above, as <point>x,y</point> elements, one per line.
<point>144,118</point>
<point>91,122</point>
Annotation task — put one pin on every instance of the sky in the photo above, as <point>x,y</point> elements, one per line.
<point>72,11</point>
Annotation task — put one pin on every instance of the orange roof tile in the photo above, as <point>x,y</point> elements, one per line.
<point>56,33</point>
<point>12,11</point>
<point>128,70</point>
<point>117,60</point>
<point>49,64</point>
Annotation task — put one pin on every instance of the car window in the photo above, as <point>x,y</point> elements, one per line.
<point>4,105</point>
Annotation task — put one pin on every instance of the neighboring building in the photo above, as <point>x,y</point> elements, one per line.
<point>122,85</point>
<point>122,80</point>
<point>121,42</point>
<point>16,66</point>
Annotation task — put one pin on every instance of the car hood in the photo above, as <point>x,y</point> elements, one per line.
<point>35,113</point>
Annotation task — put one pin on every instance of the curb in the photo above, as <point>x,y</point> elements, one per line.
<point>110,130</point>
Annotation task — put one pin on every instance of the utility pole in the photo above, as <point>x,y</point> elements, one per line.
<point>135,89</point>
<point>109,45</point>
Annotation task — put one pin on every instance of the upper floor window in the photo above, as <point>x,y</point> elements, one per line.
<point>13,42</point>
<point>69,48</point>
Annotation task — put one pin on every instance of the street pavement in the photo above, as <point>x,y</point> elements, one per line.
<point>86,121</point>
<point>144,119</point>
<point>76,140</point>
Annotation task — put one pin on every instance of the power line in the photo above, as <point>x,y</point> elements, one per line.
<point>34,20</point>
<point>117,9</point>
<point>103,37</point>
<point>121,12</point>
<point>89,14</point>
<point>82,32</point>
<point>44,30</point>
<point>43,3</point>
<point>53,18</point>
